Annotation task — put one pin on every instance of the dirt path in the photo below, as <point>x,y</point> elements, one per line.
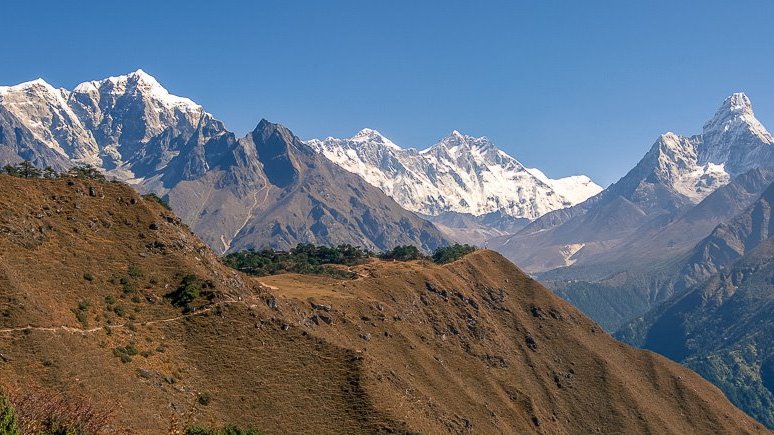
<point>72,330</point>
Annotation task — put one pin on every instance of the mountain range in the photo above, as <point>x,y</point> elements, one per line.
<point>677,173</point>
<point>266,189</point>
<point>459,174</point>
<point>673,257</point>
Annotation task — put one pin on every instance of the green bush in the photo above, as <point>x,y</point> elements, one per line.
<point>84,172</point>
<point>191,287</point>
<point>129,288</point>
<point>24,169</point>
<point>447,254</point>
<point>81,312</point>
<point>88,276</point>
<point>134,271</point>
<point>8,422</point>
<point>125,353</point>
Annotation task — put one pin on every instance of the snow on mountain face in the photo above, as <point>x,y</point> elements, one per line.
<point>732,142</point>
<point>460,173</point>
<point>575,188</point>
<point>107,123</point>
<point>44,111</point>
<point>736,138</point>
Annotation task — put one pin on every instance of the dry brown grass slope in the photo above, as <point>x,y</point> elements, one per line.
<point>473,346</point>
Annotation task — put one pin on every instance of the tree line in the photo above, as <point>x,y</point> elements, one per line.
<point>27,169</point>
<point>311,259</point>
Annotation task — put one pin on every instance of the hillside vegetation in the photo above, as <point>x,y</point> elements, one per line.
<point>88,270</point>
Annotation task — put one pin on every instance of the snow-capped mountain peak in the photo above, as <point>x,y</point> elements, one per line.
<point>734,137</point>
<point>26,85</point>
<point>459,173</point>
<point>732,142</point>
<point>106,122</point>
<point>138,82</point>
<point>735,116</point>
<point>370,135</point>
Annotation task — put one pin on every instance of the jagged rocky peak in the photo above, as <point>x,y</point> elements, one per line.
<point>736,113</point>
<point>734,136</point>
<point>274,145</point>
<point>129,125</point>
<point>457,143</point>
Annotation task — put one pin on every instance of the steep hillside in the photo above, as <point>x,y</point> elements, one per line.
<point>724,329</point>
<point>722,325</point>
<point>473,346</point>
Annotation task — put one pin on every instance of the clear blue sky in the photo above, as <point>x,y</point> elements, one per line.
<point>567,86</point>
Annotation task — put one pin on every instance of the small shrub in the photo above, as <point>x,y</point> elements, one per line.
<point>129,288</point>
<point>122,355</point>
<point>119,310</point>
<point>110,300</point>
<point>125,353</point>
<point>81,312</point>
<point>134,271</point>
<point>190,288</point>
<point>204,398</point>
<point>88,276</point>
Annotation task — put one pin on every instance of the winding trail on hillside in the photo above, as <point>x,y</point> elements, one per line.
<point>71,330</point>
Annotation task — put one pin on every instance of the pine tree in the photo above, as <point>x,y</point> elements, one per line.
<point>8,423</point>
<point>85,171</point>
<point>26,169</point>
